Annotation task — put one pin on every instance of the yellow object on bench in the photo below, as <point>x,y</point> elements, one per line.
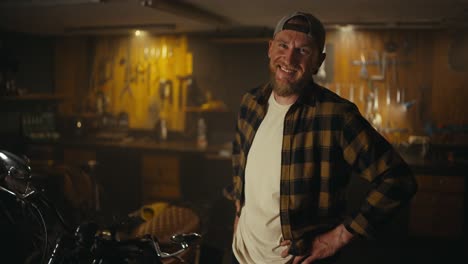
<point>149,211</point>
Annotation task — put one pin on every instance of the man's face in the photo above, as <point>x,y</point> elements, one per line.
<point>294,58</point>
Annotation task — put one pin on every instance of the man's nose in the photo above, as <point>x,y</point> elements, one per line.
<point>290,55</point>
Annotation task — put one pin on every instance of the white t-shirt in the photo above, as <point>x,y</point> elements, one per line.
<point>258,233</point>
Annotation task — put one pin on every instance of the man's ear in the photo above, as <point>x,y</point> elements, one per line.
<point>320,60</point>
<point>269,47</point>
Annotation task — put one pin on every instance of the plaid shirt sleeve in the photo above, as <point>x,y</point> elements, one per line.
<point>375,160</point>
<point>234,190</point>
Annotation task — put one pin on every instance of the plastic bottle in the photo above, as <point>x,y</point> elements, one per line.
<point>201,133</point>
<point>163,129</point>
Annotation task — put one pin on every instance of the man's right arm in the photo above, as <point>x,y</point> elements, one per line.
<point>233,191</point>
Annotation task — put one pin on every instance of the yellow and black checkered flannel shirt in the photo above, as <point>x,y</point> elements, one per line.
<point>326,140</point>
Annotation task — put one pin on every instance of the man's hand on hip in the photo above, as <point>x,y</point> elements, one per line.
<point>323,246</point>
<point>236,220</point>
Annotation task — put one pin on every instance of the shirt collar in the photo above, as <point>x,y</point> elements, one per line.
<point>307,97</point>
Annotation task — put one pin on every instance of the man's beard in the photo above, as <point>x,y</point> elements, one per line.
<point>287,89</point>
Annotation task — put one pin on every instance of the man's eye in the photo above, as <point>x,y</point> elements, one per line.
<point>304,51</point>
<point>283,45</point>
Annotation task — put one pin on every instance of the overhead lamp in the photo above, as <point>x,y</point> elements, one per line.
<point>187,10</point>
<point>346,28</point>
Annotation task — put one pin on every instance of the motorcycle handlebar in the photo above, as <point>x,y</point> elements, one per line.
<point>104,248</point>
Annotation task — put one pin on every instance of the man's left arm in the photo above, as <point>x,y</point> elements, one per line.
<point>375,160</point>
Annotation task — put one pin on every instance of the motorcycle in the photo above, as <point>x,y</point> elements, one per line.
<point>55,242</point>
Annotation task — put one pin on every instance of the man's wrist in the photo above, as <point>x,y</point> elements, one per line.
<point>345,235</point>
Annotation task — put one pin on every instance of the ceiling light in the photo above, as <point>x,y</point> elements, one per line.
<point>346,28</point>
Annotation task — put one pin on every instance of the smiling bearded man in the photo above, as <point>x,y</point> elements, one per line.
<point>296,146</point>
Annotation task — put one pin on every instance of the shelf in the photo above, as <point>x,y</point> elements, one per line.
<point>205,110</point>
<point>32,97</point>
<point>29,102</point>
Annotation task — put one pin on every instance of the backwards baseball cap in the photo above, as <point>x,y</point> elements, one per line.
<point>311,26</point>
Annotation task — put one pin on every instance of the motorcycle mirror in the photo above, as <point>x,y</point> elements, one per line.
<point>14,166</point>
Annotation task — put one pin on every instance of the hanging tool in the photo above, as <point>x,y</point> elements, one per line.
<point>128,74</point>
<point>363,72</point>
<point>105,70</point>
<point>187,80</point>
<point>401,93</point>
<point>361,93</point>
<point>338,89</point>
<point>382,67</point>
<point>148,78</point>
<point>165,93</point>
<point>140,71</point>
<point>351,92</point>
<point>153,76</point>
